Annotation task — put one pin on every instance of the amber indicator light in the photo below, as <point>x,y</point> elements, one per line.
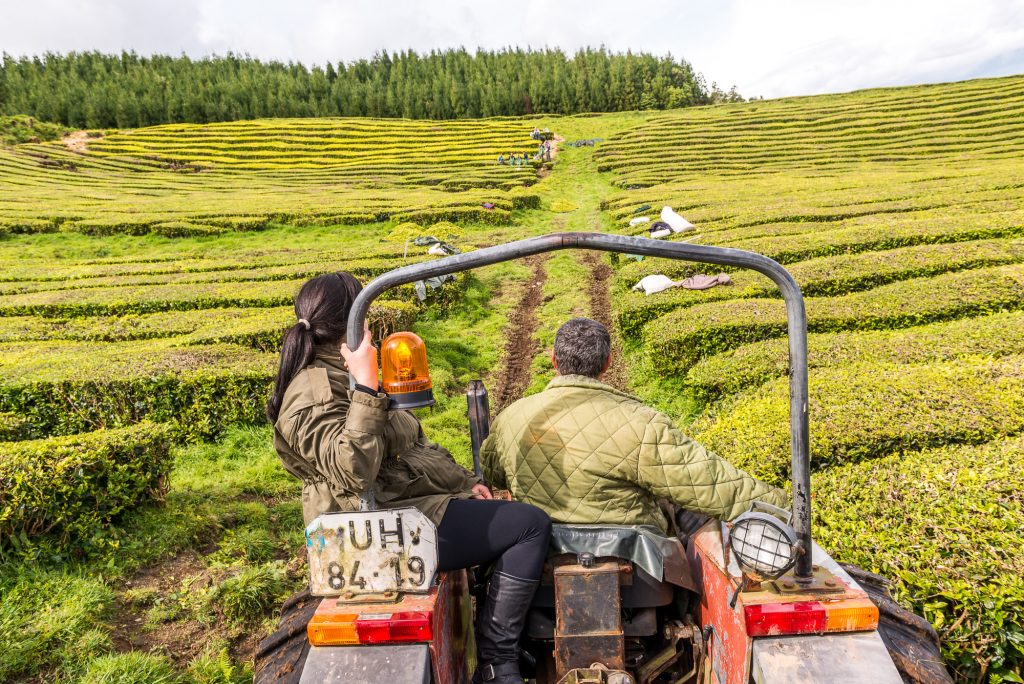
<point>403,362</point>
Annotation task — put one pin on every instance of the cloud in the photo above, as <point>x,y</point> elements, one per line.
<point>765,47</point>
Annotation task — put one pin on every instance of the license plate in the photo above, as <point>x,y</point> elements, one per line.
<point>371,552</point>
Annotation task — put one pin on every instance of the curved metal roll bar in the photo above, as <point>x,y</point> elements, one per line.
<point>796,315</point>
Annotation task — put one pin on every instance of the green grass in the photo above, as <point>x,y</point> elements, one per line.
<point>456,358</point>
<point>55,610</point>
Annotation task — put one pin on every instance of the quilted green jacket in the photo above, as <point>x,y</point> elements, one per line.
<point>587,453</point>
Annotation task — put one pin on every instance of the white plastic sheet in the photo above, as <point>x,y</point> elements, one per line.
<point>675,221</point>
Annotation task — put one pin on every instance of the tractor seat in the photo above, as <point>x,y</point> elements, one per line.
<point>659,562</point>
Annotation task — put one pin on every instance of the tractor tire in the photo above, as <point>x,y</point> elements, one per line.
<point>913,644</point>
<point>282,655</point>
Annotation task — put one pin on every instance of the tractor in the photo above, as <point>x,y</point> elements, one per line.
<point>755,600</point>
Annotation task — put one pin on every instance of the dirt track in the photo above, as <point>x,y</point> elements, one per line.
<point>601,311</point>
<point>521,345</point>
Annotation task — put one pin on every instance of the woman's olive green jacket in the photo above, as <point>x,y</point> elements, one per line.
<point>339,442</point>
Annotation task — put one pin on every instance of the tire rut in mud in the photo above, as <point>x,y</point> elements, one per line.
<point>522,344</point>
<point>601,310</point>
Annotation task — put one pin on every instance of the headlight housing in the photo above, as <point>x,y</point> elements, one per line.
<point>765,547</point>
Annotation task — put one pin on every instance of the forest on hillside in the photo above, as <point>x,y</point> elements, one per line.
<point>94,90</point>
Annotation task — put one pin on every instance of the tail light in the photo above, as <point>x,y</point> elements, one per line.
<point>810,617</point>
<point>348,629</point>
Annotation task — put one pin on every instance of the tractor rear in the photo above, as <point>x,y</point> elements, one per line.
<point>751,601</point>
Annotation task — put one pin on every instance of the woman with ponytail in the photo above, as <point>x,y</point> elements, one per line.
<point>343,443</point>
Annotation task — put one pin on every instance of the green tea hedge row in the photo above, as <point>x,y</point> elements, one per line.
<point>62,388</point>
<point>147,299</point>
<point>945,524</point>
<point>199,269</point>
<point>265,332</point>
<point>12,427</point>
<point>159,275</point>
<point>826,276</point>
<point>677,341</point>
<point>873,238</point>
<point>866,410</point>
<point>73,487</point>
<point>753,365</point>
<point>142,299</point>
<point>259,328</point>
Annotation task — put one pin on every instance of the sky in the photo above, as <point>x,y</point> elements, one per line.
<point>768,48</point>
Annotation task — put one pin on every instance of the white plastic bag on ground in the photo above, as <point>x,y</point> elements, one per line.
<point>654,283</point>
<point>675,221</point>
<point>638,220</point>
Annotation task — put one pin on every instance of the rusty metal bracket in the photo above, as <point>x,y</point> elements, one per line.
<point>383,597</point>
<point>821,582</point>
<point>596,674</point>
<point>669,656</point>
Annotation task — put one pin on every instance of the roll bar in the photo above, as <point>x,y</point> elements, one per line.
<point>795,313</point>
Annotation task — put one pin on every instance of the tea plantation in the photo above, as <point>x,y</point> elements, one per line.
<point>146,277</point>
<point>899,213</point>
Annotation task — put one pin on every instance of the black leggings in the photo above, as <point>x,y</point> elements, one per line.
<point>478,532</point>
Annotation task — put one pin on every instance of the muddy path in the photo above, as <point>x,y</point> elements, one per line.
<point>521,343</point>
<point>598,290</point>
<point>76,141</point>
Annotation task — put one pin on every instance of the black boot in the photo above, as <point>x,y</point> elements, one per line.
<point>499,623</point>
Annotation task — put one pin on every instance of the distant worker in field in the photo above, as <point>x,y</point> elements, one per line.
<point>501,159</point>
<point>585,452</point>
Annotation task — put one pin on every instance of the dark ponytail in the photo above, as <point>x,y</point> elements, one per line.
<point>321,307</point>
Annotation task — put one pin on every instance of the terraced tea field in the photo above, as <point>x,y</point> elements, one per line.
<point>140,315</point>
<point>197,180</point>
<point>899,212</point>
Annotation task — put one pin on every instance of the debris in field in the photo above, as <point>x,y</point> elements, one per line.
<point>659,229</point>
<point>675,221</point>
<point>642,208</point>
<point>638,220</point>
<point>658,282</point>
<point>420,286</point>
<point>443,249</point>
<point>488,205</point>
<point>437,247</point>
<point>654,283</point>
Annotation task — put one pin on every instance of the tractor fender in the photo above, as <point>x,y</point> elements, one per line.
<point>855,658</point>
<point>400,664</point>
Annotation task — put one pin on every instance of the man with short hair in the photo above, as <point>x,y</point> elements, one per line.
<point>585,452</point>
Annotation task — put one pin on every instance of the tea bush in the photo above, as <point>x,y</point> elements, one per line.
<point>945,525</point>
<point>866,410</point>
<point>73,487</point>
<point>753,365</point>
<point>677,341</point>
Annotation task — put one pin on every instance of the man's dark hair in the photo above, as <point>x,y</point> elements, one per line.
<point>582,347</point>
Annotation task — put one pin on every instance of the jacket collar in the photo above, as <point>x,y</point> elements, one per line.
<point>585,382</point>
<point>330,357</point>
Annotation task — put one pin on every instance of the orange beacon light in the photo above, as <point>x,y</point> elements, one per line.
<point>403,363</point>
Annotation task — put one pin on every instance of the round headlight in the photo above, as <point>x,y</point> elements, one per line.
<point>765,547</point>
